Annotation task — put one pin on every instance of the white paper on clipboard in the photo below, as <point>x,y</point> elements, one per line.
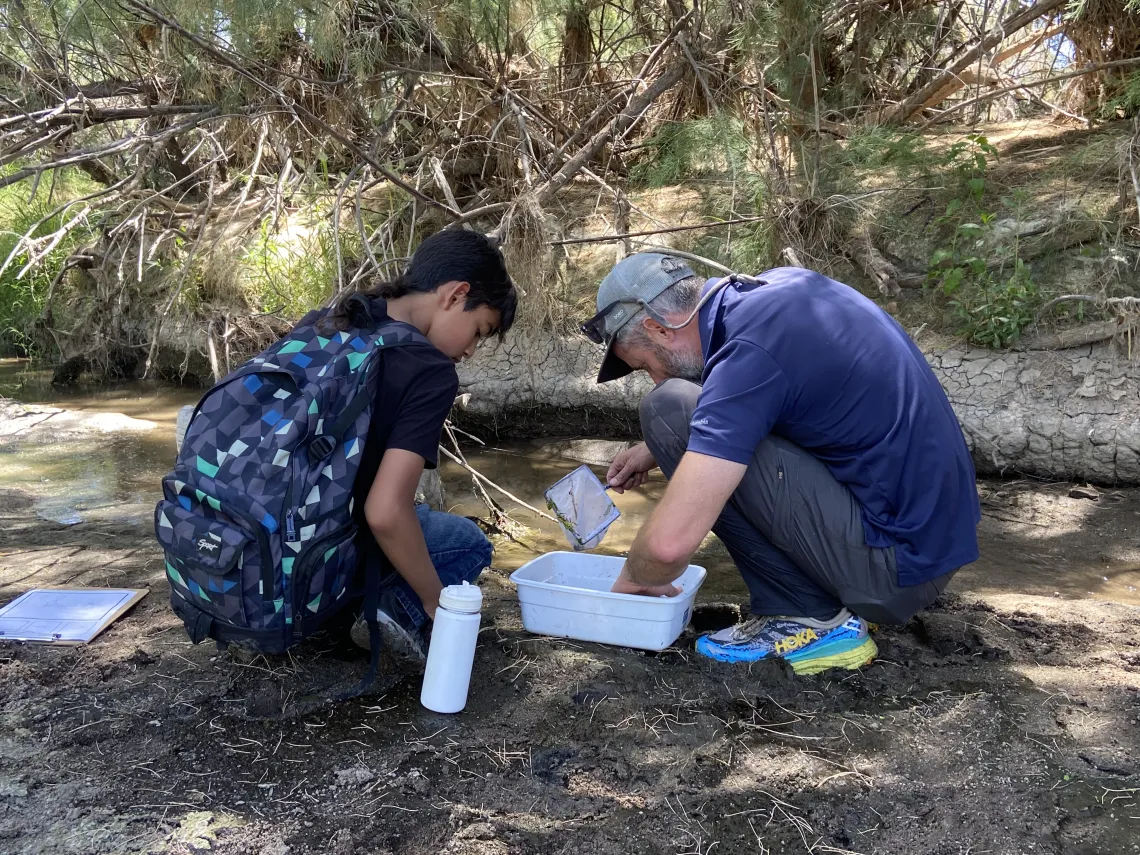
<point>65,615</point>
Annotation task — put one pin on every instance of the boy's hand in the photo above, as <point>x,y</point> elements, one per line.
<point>630,468</point>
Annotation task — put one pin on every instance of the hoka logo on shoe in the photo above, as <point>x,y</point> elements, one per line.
<point>794,642</point>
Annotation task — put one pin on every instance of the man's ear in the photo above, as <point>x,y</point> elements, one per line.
<point>656,332</point>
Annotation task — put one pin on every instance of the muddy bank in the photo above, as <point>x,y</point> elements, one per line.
<point>1071,414</point>
<point>1007,723</point>
<point>1006,719</point>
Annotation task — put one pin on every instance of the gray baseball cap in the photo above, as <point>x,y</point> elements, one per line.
<point>634,281</point>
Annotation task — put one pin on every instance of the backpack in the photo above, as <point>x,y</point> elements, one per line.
<point>257,517</point>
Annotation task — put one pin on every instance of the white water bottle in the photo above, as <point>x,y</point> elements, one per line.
<point>452,649</point>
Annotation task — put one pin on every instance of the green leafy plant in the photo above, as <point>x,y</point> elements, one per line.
<point>23,291</point>
<point>876,147</point>
<point>990,310</point>
<point>1126,101</point>
<point>292,271</point>
<point>965,163</point>
<point>993,312</point>
<point>680,150</point>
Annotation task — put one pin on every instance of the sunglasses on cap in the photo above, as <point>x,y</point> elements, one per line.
<point>594,329</point>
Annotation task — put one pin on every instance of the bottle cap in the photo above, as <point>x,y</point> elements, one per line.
<point>465,598</point>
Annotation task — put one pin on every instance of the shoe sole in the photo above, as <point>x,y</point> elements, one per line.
<point>839,647</point>
<point>814,661</point>
<point>400,644</point>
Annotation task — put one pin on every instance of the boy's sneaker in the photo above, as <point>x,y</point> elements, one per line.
<point>406,644</point>
<point>809,646</point>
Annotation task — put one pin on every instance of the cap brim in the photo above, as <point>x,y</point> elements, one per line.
<point>613,366</point>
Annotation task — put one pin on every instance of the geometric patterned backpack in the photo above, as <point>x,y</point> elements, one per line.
<point>256,520</point>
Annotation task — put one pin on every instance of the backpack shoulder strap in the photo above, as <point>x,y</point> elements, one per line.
<point>388,334</point>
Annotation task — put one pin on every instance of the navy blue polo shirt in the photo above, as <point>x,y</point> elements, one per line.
<point>811,360</point>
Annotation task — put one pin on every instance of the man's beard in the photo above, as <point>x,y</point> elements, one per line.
<point>686,366</point>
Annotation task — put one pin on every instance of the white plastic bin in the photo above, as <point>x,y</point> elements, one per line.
<point>567,594</point>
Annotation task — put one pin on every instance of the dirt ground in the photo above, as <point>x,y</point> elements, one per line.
<point>1008,723</point>
<point>1004,720</point>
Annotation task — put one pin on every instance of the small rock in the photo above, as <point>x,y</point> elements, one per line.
<point>1085,492</point>
<point>477,831</point>
<point>13,790</point>
<point>355,776</point>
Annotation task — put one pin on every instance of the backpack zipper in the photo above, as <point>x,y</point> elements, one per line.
<point>305,562</point>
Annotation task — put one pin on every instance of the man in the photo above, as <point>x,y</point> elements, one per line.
<point>818,446</point>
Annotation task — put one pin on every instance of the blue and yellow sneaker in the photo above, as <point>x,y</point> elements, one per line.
<point>809,646</point>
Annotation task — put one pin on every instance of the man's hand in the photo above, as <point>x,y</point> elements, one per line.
<point>626,585</point>
<point>692,502</point>
<point>630,469</point>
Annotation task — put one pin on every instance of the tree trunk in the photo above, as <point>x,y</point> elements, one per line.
<point>1067,414</point>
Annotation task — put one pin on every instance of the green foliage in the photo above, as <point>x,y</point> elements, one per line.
<point>1126,101</point>
<point>22,296</point>
<point>294,270</point>
<point>750,249</point>
<point>966,161</point>
<point>696,148</point>
<point>878,147</point>
<point>993,312</point>
<point>991,309</point>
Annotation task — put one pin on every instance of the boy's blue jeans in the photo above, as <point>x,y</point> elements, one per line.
<point>458,549</point>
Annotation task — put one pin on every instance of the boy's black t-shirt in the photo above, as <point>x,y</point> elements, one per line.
<point>416,386</point>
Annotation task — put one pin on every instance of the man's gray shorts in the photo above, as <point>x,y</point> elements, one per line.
<point>795,533</point>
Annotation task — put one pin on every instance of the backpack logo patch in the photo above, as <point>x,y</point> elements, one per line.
<point>207,546</point>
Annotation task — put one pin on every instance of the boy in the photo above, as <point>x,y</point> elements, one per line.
<point>456,292</point>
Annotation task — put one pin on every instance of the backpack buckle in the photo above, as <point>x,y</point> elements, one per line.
<point>321,447</point>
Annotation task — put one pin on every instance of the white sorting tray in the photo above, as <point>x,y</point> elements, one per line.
<point>567,594</point>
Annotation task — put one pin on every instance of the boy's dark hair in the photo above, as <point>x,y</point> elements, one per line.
<point>455,255</point>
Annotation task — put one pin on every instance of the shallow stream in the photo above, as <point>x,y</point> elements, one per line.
<point>1035,539</point>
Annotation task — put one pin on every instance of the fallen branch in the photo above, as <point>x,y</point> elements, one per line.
<point>476,473</point>
<point>1129,304</point>
<point>915,101</point>
<point>997,93</point>
<point>1079,336</point>
<point>789,257</point>
<point>75,158</point>
<point>626,235</point>
<point>289,104</point>
<point>620,123</point>
<point>629,91</point>
<point>873,263</point>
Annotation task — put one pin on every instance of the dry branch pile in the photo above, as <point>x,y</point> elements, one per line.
<point>202,123</point>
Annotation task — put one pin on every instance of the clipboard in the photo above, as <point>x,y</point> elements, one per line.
<point>65,616</point>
